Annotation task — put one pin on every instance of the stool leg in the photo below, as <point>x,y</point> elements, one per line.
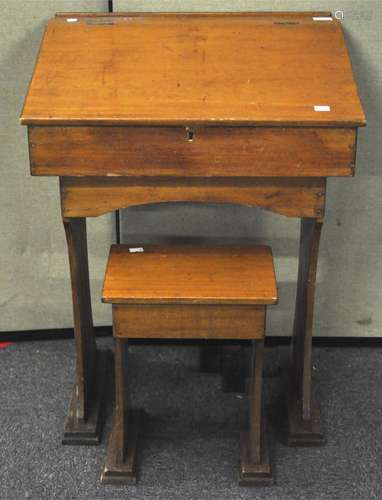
<point>255,392</point>
<point>122,397</point>
<point>255,466</point>
<point>120,464</point>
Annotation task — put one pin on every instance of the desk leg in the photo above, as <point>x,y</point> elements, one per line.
<point>303,411</point>
<point>83,422</point>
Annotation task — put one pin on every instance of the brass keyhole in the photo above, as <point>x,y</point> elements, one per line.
<point>189,134</point>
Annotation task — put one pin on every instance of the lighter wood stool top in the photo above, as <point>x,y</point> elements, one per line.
<point>187,274</point>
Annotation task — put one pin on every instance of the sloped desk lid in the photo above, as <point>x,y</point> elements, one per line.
<point>284,69</point>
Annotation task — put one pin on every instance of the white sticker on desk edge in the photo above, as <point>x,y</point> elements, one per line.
<point>136,250</point>
<point>322,108</point>
<point>322,18</point>
<point>71,20</point>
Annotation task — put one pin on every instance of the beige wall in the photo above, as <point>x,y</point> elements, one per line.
<point>34,284</point>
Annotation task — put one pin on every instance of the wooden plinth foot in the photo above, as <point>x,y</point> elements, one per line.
<point>259,474</point>
<point>304,432</point>
<point>89,433</point>
<point>115,472</point>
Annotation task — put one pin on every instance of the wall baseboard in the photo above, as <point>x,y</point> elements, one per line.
<point>105,331</point>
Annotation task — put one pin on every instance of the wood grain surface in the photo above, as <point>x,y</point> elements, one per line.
<point>93,196</point>
<point>252,68</point>
<point>213,151</point>
<point>188,321</point>
<point>187,274</point>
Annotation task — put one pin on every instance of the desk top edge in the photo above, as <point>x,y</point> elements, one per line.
<point>196,13</point>
<point>30,121</point>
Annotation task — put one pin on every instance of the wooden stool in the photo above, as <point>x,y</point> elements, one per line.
<point>189,293</point>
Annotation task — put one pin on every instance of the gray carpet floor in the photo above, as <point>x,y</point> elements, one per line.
<point>190,449</point>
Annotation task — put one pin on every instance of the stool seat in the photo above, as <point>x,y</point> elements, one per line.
<point>187,274</point>
<point>188,292</point>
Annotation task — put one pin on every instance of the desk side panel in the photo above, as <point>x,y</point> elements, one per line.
<point>197,152</point>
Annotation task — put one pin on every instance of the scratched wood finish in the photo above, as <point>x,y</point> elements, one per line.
<point>188,274</point>
<point>185,321</point>
<point>207,152</point>
<point>258,69</point>
<point>93,196</point>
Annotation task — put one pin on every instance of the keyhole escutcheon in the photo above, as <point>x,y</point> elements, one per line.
<point>189,134</point>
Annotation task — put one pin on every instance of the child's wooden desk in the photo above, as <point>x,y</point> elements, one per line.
<point>253,108</point>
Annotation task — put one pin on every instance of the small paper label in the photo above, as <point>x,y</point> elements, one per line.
<point>322,18</point>
<point>71,20</point>
<point>136,250</point>
<point>322,108</point>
